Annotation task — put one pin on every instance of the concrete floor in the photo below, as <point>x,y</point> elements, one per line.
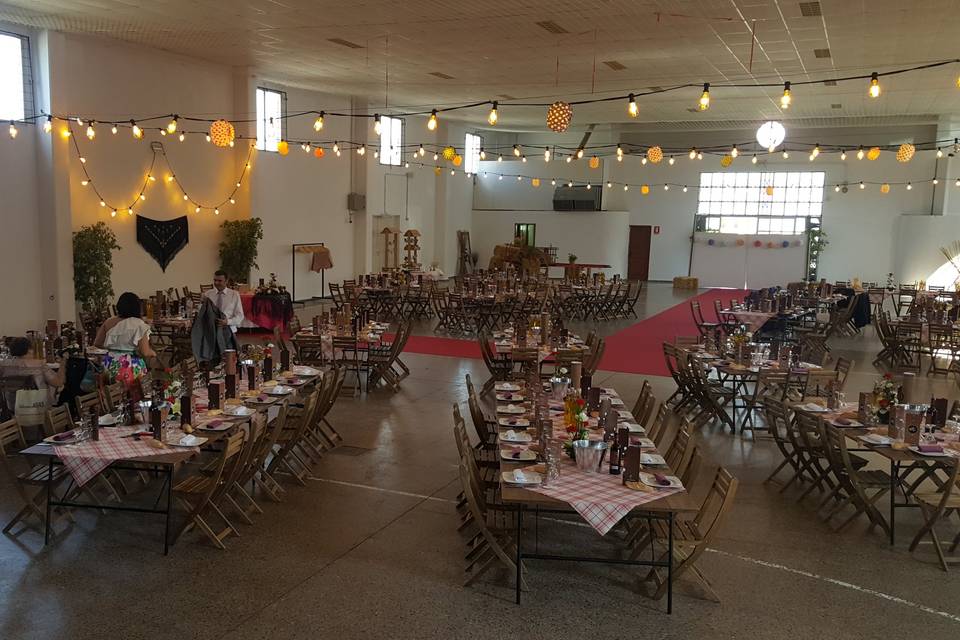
<point>370,550</point>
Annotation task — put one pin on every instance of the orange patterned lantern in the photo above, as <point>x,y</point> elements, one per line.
<point>655,154</point>
<point>221,133</point>
<point>559,116</point>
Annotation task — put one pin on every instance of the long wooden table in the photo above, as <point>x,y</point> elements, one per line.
<point>665,508</point>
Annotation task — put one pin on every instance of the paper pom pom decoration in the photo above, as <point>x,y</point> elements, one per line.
<point>283,148</point>
<point>769,245</point>
<point>221,133</point>
<point>785,244</point>
<point>905,152</point>
<point>757,243</point>
<point>740,242</point>
<point>535,182</point>
<point>769,191</point>
<point>318,152</point>
<point>644,189</point>
<point>726,161</point>
<point>559,116</point>
<point>711,242</point>
<point>449,153</point>
<point>436,171</point>
<point>457,160</point>
<point>594,162</point>
<point>885,188</point>
<point>874,153</point>
<point>654,154</point>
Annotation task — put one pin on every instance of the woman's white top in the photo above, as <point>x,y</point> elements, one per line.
<point>126,335</point>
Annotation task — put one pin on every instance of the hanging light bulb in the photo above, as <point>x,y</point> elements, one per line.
<point>553,183</point>
<point>318,123</point>
<point>625,187</point>
<point>958,182</point>
<point>84,182</point>
<point>151,178</point>
<point>516,151</point>
<point>837,188</point>
<point>172,125</point>
<point>589,186</point>
<point>113,129</point>
<point>362,150</point>
<point>492,117</point>
<point>939,153</point>
<point>570,184</point>
<point>785,99</point>
<point>102,203</point>
<point>684,188</point>
<point>83,160</point>
<point>376,124</point>
<point>699,155</point>
<point>523,158</point>
<point>693,153</point>
<point>432,122</point>
<point>909,186</point>
<point>65,132</point>
<point>786,154</point>
<point>619,153</point>
<point>666,187</point>
<point>860,153</point>
<point>182,136</point>
<point>569,159</point>
<point>136,130</point>
<point>185,197</point>
<point>91,132</point>
<point>13,130</point>
<point>232,201</point>
<point>113,214</point>
<point>79,121</point>
<point>843,154</point>
<point>421,151</point>
<point>483,154</point>
<point>609,184</point>
<point>336,147</point>
<point>734,152</point>
<point>862,186</point>
<point>632,109</point>
<point>754,159</point>
<point>704,103</point>
<point>935,181</point>
<point>815,152</point>
<point>671,160</point>
<point>579,153</point>
<point>48,125</point>
<point>643,160</point>
<point>197,209</point>
<point>519,178</point>
<point>874,85</point>
<point>546,155</point>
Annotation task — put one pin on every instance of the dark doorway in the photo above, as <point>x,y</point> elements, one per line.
<point>638,254</point>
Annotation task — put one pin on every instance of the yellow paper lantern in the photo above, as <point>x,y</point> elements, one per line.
<point>283,148</point>
<point>769,191</point>
<point>874,153</point>
<point>594,162</point>
<point>726,161</point>
<point>644,189</point>
<point>655,154</point>
<point>436,171</point>
<point>457,160</point>
<point>221,133</point>
<point>318,152</point>
<point>535,182</point>
<point>905,152</point>
<point>449,153</point>
<point>885,188</point>
<point>559,116</point>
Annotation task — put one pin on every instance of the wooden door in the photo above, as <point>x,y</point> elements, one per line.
<point>638,254</point>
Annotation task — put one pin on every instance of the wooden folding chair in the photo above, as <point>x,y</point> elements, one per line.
<point>856,483</point>
<point>937,506</point>
<point>88,401</point>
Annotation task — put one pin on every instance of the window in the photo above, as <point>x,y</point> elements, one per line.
<point>271,107</point>
<point>526,232</point>
<point>391,141</point>
<point>471,153</point>
<point>761,203</point>
<point>16,82</point>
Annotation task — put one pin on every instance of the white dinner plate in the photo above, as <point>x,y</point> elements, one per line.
<point>634,427</point>
<point>654,459</point>
<point>513,422</point>
<point>812,408</point>
<point>521,455</point>
<point>646,443</point>
<point>849,425</point>
<point>521,478</point>
<point>650,480</point>
<point>516,437</point>
<point>188,440</point>
<point>279,390</point>
<point>623,414</point>
<point>510,397</point>
<point>108,420</point>
<point>877,439</point>
<point>506,386</point>
<point>511,409</point>
<point>301,370</point>
<point>239,411</point>
<point>932,454</point>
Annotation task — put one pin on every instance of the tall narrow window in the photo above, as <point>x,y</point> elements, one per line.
<point>270,123</point>
<point>16,86</point>
<point>471,153</point>
<point>391,141</point>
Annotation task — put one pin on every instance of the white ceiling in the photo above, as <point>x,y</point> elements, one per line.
<point>495,48</point>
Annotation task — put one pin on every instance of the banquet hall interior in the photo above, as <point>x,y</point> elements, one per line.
<point>479,320</point>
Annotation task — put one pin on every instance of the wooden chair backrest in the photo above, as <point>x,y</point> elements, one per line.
<point>58,420</point>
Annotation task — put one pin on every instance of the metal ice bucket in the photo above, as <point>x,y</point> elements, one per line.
<point>589,454</point>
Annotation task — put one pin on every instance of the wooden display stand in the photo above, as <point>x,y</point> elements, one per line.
<point>686,282</point>
<point>411,244</point>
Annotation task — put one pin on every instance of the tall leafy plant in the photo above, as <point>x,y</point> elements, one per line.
<point>93,247</point>
<point>238,249</point>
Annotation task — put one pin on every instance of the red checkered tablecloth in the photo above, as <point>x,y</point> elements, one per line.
<point>88,459</point>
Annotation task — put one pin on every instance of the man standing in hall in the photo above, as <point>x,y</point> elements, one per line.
<point>227,300</point>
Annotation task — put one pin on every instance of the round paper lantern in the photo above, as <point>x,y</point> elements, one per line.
<point>885,188</point>
<point>457,160</point>
<point>769,191</point>
<point>874,153</point>
<point>726,161</point>
<point>221,133</point>
<point>594,162</point>
<point>644,189</point>
<point>785,244</point>
<point>711,242</point>
<point>655,154</point>
<point>283,148</point>
<point>436,171</point>
<point>559,116</point>
<point>771,134</point>
<point>535,182</point>
<point>318,152</point>
<point>757,243</point>
<point>769,245</point>
<point>740,242</point>
<point>905,152</point>
<point>449,153</point>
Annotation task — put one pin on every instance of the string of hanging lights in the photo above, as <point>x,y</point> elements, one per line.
<point>558,117</point>
<point>171,178</point>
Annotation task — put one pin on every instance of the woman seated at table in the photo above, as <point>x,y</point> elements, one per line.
<point>126,337</point>
<point>23,363</point>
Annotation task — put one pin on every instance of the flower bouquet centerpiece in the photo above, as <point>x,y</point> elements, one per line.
<point>575,418</point>
<point>738,341</point>
<point>171,384</point>
<point>272,287</point>
<point>885,393</point>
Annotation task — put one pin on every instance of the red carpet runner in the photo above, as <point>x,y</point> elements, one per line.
<point>636,349</point>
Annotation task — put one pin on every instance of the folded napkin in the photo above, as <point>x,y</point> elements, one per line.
<point>214,423</point>
<point>930,448</point>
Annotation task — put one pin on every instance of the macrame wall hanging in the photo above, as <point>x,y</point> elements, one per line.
<point>163,239</point>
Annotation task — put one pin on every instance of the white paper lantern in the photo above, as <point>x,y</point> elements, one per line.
<point>771,134</point>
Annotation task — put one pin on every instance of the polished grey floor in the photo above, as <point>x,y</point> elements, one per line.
<point>370,550</point>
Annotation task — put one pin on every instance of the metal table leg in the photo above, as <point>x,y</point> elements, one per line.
<point>670,563</point>
<point>46,523</point>
<point>166,526</point>
<point>519,543</point>
<point>894,470</point>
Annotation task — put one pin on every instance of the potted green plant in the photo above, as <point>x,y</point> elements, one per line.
<point>238,249</point>
<point>93,247</point>
<point>571,258</point>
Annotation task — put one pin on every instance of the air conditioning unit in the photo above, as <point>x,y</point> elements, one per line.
<point>577,198</point>
<point>356,202</point>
